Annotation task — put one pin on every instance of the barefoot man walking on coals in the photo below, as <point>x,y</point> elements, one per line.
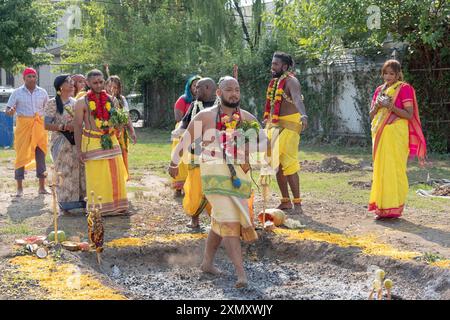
<point>226,185</point>
<point>285,118</point>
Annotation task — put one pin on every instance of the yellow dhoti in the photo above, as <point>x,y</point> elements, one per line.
<point>105,173</point>
<point>390,182</point>
<point>30,133</point>
<point>194,201</point>
<point>179,180</point>
<point>230,206</point>
<point>285,139</point>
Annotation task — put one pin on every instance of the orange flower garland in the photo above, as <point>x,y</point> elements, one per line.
<point>275,96</point>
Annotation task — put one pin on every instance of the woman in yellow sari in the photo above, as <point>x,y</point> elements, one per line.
<point>396,134</point>
<point>180,109</point>
<point>114,88</point>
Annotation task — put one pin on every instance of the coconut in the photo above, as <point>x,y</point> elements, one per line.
<point>42,253</point>
<point>276,216</point>
<point>269,226</point>
<point>31,247</point>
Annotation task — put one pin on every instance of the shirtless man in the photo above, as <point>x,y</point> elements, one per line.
<point>230,219</point>
<point>105,169</point>
<point>285,123</point>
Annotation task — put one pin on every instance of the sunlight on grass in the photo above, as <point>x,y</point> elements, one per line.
<point>152,154</point>
<point>16,229</point>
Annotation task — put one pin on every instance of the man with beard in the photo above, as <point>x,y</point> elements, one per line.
<point>230,219</point>
<point>99,149</point>
<point>194,201</point>
<point>285,118</point>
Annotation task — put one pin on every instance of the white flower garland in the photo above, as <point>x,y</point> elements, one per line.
<point>198,104</point>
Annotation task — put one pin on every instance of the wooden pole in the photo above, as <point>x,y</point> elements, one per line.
<point>56,180</point>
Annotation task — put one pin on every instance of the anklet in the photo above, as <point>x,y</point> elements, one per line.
<point>285,200</point>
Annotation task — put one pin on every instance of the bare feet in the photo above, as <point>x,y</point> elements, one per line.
<point>195,223</point>
<point>43,191</point>
<point>285,206</point>
<point>211,270</point>
<point>241,283</point>
<point>178,194</point>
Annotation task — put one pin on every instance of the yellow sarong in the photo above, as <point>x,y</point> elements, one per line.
<point>230,206</point>
<point>179,180</point>
<point>30,133</point>
<point>285,139</point>
<point>105,173</point>
<point>194,201</point>
<point>390,182</point>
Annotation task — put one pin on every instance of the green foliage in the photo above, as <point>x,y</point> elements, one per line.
<point>365,82</point>
<point>156,45</point>
<point>324,30</point>
<point>119,117</point>
<point>26,25</point>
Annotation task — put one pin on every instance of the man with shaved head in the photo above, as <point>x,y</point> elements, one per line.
<point>226,185</point>
<point>194,201</point>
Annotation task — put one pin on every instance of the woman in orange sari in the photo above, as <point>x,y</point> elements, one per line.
<point>396,134</point>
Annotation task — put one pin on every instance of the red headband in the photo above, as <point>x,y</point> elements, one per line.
<point>28,71</point>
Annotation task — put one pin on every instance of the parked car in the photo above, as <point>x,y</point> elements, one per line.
<point>136,105</point>
<point>5,93</point>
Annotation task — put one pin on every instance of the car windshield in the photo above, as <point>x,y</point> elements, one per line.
<point>135,99</point>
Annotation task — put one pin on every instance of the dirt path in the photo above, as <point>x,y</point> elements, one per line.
<point>291,275</point>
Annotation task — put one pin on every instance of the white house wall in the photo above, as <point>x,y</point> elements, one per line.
<point>346,108</point>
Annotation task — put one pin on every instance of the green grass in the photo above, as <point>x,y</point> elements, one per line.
<point>153,147</point>
<point>16,229</point>
<point>152,153</point>
<point>6,154</point>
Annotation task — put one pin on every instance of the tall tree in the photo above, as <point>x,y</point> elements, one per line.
<point>26,25</point>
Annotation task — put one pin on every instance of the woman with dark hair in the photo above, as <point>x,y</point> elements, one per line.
<point>396,134</point>
<point>114,88</point>
<point>180,109</point>
<point>59,114</point>
<point>79,82</point>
